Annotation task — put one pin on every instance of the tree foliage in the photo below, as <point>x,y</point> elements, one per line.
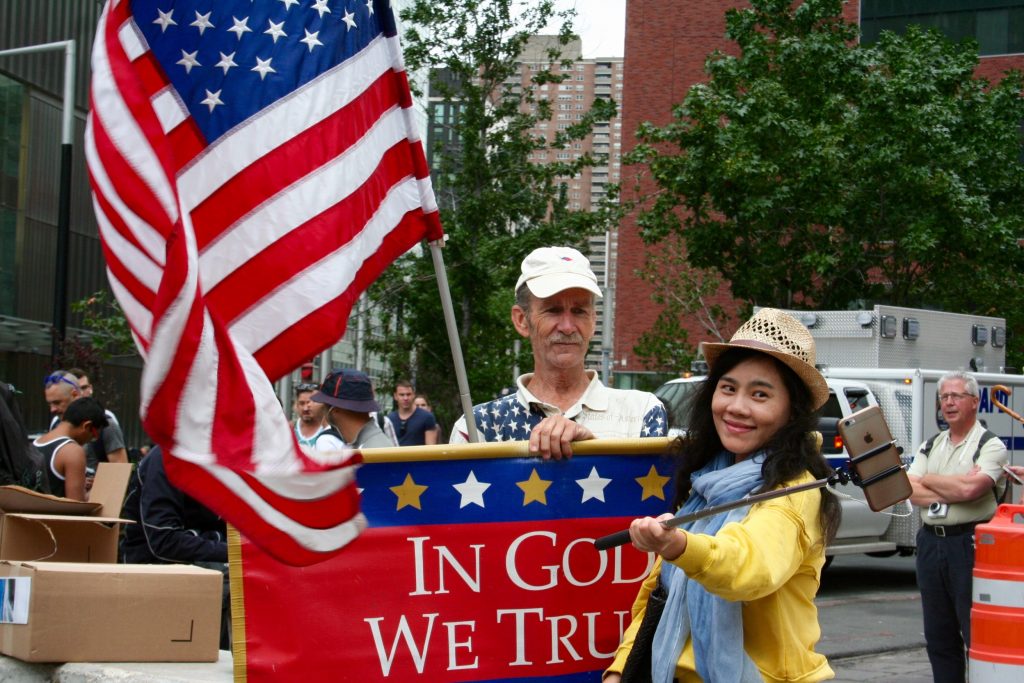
<point>812,171</point>
<point>689,294</point>
<point>497,201</point>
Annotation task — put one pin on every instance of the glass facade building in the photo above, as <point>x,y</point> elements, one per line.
<point>996,25</point>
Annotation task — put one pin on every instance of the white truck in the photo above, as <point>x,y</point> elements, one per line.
<point>892,357</point>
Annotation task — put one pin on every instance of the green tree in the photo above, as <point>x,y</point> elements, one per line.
<point>498,202</point>
<point>812,171</point>
<point>689,294</point>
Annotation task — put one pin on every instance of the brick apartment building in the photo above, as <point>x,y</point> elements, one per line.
<point>587,80</point>
<point>666,44</point>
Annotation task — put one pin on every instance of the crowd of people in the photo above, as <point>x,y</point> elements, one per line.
<point>730,596</point>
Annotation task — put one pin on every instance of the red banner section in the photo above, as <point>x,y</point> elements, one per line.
<point>472,570</point>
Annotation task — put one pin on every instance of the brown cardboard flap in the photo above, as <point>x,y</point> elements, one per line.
<point>70,518</point>
<point>109,487</point>
<point>20,499</point>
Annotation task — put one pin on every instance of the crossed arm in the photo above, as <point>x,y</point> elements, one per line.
<point>949,488</point>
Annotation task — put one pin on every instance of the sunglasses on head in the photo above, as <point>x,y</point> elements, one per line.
<point>57,378</point>
<point>306,386</point>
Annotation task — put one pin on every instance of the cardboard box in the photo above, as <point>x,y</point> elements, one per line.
<point>78,612</point>
<point>35,526</point>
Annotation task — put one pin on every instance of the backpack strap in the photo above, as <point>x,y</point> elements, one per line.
<point>1007,494</point>
<point>985,437</point>
<point>332,431</point>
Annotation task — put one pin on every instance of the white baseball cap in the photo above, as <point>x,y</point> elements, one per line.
<point>550,270</point>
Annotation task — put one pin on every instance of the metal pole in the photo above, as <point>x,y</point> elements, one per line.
<point>453,339</point>
<point>60,293</point>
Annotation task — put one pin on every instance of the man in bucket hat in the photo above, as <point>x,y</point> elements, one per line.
<point>560,401</point>
<point>348,395</point>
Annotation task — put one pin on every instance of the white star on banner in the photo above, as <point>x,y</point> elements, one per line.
<point>471,490</point>
<point>288,4</point>
<point>369,6</point>
<point>349,19</point>
<point>593,486</point>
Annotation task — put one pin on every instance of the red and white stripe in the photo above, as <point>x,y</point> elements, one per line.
<point>235,262</point>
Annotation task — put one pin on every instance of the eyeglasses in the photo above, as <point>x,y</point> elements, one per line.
<point>952,395</point>
<point>57,378</point>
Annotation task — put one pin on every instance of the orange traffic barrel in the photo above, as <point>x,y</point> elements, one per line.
<point>997,612</point>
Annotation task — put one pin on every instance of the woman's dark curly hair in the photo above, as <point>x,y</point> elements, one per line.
<point>790,451</point>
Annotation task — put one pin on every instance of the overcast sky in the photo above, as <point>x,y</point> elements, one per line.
<point>601,24</point>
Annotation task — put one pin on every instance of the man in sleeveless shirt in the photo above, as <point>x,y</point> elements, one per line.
<point>63,447</point>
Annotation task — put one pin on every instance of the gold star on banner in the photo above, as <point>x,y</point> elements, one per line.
<point>534,489</point>
<point>653,483</point>
<point>408,493</point>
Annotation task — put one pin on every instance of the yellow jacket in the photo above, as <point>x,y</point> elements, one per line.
<point>771,560</point>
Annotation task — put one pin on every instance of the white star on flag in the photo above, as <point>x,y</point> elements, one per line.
<point>226,61</point>
<point>241,26</point>
<point>471,490</point>
<point>593,486</point>
<point>202,22</point>
<point>311,39</point>
<point>263,67</point>
<point>212,99</point>
<point>275,31</point>
<point>165,20</point>
<point>188,60</point>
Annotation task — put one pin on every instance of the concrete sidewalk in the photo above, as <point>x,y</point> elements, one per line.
<point>905,666</point>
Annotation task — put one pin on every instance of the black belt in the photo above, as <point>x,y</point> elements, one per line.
<point>943,530</point>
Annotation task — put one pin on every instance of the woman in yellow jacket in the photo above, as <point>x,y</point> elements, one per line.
<point>736,591</point>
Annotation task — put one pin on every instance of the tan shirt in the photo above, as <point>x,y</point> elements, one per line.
<point>945,458</point>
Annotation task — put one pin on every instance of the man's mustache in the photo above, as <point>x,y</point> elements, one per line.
<point>559,338</point>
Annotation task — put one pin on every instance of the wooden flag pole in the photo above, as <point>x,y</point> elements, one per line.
<point>453,338</point>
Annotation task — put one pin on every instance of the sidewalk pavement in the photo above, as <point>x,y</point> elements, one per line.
<point>905,666</point>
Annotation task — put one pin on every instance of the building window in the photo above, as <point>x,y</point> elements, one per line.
<point>997,25</point>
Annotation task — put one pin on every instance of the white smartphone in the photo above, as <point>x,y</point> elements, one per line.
<point>1013,475</point>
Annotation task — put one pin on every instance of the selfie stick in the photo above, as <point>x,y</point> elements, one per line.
<point>622,537</point>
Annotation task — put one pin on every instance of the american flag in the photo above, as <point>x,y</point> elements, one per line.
<point>255,167</point>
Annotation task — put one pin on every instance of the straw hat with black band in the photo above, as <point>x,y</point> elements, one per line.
<point>780,336</point>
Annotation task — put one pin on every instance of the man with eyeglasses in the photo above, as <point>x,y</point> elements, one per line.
<point>60,389</point>
<point>87,388</point>
<point>63,447</point>
<point>309,415</point>
<point>957,481</point>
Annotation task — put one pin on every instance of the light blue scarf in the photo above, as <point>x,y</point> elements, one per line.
<point>715,624</point>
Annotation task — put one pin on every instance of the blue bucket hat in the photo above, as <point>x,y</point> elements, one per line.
<point>348,389</point>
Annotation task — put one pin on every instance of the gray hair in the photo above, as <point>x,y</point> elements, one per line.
<point>970,383</point>
<point>523,298</point>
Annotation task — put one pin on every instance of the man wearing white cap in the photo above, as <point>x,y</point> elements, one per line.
<point>561,402</point>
